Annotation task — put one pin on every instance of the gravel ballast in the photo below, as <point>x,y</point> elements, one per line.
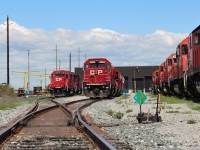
<point>172,133</point>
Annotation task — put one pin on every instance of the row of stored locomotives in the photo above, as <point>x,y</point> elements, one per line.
<point>101,79</point>
<point>180,73</point>
<point>65,83</point>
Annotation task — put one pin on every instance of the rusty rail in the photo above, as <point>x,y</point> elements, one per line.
<point>98,139</point>
<point>7,132</point>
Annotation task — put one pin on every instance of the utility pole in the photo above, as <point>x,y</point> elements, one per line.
<point>28,84</point>
<point>79,57</point>
<point>70,61</point>
<point>56,57</point>
<point>45,78</point>
<point>8,75</point>
<point>59,64</point>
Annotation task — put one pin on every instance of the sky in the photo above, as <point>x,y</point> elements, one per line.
<point>126,32</point>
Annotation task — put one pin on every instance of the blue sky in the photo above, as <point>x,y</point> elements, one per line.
<point>126,32</point>
<point>124,16</point>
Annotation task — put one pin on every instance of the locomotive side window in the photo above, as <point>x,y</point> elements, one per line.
<point>169,62</point>
<point>161,68</point>
<point>184,49</point>
<point>86,67</point>
<point>178,51</point>
<point>174,60</point>
<point>197,39</point>
<point>52,75</point>
<point>156,74</point>
<point>66,75</point>
<point>107,66</point>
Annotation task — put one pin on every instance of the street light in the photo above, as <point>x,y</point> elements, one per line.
<point>56,57</point>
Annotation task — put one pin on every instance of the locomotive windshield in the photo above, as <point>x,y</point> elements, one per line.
<point>97,64</point>
<point>60,74</point>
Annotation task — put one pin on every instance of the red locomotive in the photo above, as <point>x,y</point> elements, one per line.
<point>170,62</point>
<point>65,83</point>
<point>183,77</point>
<point>101,79</point>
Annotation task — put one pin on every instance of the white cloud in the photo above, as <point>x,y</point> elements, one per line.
<point>120,49</point>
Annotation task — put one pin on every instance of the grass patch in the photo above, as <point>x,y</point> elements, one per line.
<point>9,105</point>
<point>171,100</point>
<point>172,111</point>
<point>129,110</point>
<point>194,106</point>
<point>110,112</point>
<point>152,96</point>
<point>191,121</point>
<point>119,101</point>
<point>174,100</point>
<point>131,116</point>
<point>116,115</point>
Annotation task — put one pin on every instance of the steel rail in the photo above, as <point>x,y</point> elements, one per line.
<point>98,139</point>
<point>8,131</point>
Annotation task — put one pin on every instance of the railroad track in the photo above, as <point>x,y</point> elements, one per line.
<point>56,127</point>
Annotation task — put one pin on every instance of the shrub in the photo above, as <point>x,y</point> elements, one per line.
<point>119,101</point>
<point>110,112</point>
<point>131,116</point>
<point>191,121</point>
<point>6,90</point>
<point>129,110</point>
<point>118,115</point>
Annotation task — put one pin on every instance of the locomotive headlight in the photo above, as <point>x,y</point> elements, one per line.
<point>107,87</point>
<point>85,87</point>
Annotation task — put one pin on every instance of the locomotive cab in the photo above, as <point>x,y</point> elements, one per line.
<point>59,80</point>
<point>99,78</point>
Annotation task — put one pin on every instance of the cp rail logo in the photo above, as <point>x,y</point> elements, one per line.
<point>58,79</point>
<point>93,72</point>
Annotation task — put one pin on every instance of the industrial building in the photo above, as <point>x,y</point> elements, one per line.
<point>136,77</point>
